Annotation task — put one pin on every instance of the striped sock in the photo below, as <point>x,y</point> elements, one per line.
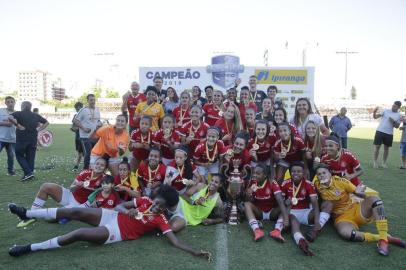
<point>37,203</point>
<point>253,224</point>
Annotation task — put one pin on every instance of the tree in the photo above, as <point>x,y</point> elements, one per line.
<point>110,93</point>
<point>353,93</point>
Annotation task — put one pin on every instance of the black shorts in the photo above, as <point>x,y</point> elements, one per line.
<point>78,146</point>
<point>383,138</point>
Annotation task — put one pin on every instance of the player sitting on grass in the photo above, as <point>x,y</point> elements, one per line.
<point>299,194</point>
<point>262,194</point>
<point>132,220</point>
<point>349,215</point>
<point>106,196</point>
<point>76,196</point>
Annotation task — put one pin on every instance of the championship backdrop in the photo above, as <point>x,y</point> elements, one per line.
<point>292,82</point>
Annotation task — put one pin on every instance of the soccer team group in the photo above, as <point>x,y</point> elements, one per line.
<point>207,160</point>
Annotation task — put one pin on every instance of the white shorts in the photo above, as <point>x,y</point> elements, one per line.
<point>109,220</point>
<point>177,213</point>
<point>112,160</point>
<point>266,215</point>
<point>166,161</point>
<point>213,168</point>
<point>302,215</point>
<point>68,201</point>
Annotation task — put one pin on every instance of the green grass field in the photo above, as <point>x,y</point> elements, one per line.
<point>232,247</point>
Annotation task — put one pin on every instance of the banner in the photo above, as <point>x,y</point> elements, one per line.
<point>292,82</point>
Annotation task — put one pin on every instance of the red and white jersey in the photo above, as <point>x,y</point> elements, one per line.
<point>211,113</point>
<point>306,191</point>
<point>309,146</point>
<point>166,150</point>
<point>110,202</point>
<point>149,175</point>
<point>264,151</point>
<point>200,154</point>
<point>199,132</point>
<point>244,157</point>
<point>243,108</point>
<point>177,180</point>
<point>132,103</point>
<point>136,136</point>
<point>226,129</point>
<point>182,116</point>
<point>295,150</point>
<point>264,197</point>
<point>131,228</point>
<point>293,130</point>
<point>81,193</point>
<point>346,162</point>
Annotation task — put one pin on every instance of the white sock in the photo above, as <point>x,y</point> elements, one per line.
<point>49,244</point>
<point>279,224</point>
<point>37,203</point>
<point>253,224</point>
<point>297,236</point>
<point>46,213</point>
<point>323,218</point>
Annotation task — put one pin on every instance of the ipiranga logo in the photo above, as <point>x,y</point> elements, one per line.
<point>281,76</point>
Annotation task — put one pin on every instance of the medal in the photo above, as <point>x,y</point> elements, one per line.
<point>167,99</point>
<point>294,201</point>
<point>230,152</point>
<point>86,183</point>
<point>221,113</point>
<point>139,216</point>
<point>185,181</point>
<point>255,146</point>
<point>254,187</point>
<point>192,134</point>
<point>317,159</point>
<point>294,193</point>
<point>167,133</point>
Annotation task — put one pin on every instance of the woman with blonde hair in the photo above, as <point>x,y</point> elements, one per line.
<point>230,124</point>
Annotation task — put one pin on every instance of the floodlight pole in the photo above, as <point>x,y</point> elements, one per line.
<point>346,62</point>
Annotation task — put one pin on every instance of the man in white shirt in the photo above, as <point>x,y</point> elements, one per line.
<point>384,133</point>
<point>8,133</point>
<point>87,120</point>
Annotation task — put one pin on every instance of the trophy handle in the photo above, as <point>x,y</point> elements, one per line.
<point>225,169</point>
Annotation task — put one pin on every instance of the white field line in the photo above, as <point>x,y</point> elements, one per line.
<point>221,258</point>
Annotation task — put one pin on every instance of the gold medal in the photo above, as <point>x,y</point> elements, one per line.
<point>294,201</point>
<point>167,133</point>
<point>255,146</point>
<point>254,187</point>
<point>86,184</point>
<point>139,216</point>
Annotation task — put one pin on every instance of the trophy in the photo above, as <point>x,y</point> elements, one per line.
<point>235,182</point>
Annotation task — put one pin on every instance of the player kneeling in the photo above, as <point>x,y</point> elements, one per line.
<point>299,193</point>
<point>132,220</point>
<point>349,215</point>
<point>262,194</point>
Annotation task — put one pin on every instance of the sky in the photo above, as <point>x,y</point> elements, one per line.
<point>63,37</point>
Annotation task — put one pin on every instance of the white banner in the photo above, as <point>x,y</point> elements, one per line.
<point>292,82</point>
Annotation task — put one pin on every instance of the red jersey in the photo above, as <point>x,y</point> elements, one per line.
<point>309,146</point>
<point>110,202</point>
<point>295,150</point>
<point>131,228</point>
<point>179,174</point>
<point>132,102</point>
<point>81,193</point>
<point>122,194</point>
<point>264,197</point>
<point>293,130</point>
<point>250,130</point>
<point>243,108</point>
<point>226,129</point>
<point>306,191</point>
<point>346,162</point>
<point>244,157</point>
<point>151,176</point>
<point>182,116</point>
<point>199,132</point>
<point>211,113</point>
<point>264,151</point>
<point>200,154</point>
<point>167,151</point>
<point>136,136</point>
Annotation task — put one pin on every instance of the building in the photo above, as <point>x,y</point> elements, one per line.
<point>38,85</point>
<point>58,93</point>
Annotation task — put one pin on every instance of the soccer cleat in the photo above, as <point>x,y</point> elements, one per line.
<point>276,235</point>
<point>25,223</point>
<point>304,246</point>
<point>75,169</point>
<point>27,177</point>
<point>396,241</point>
<point>258,234</point>
<point>16,251</point>
<point>21,212</point>
<point>312,234</point>
<point>383,247</point>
